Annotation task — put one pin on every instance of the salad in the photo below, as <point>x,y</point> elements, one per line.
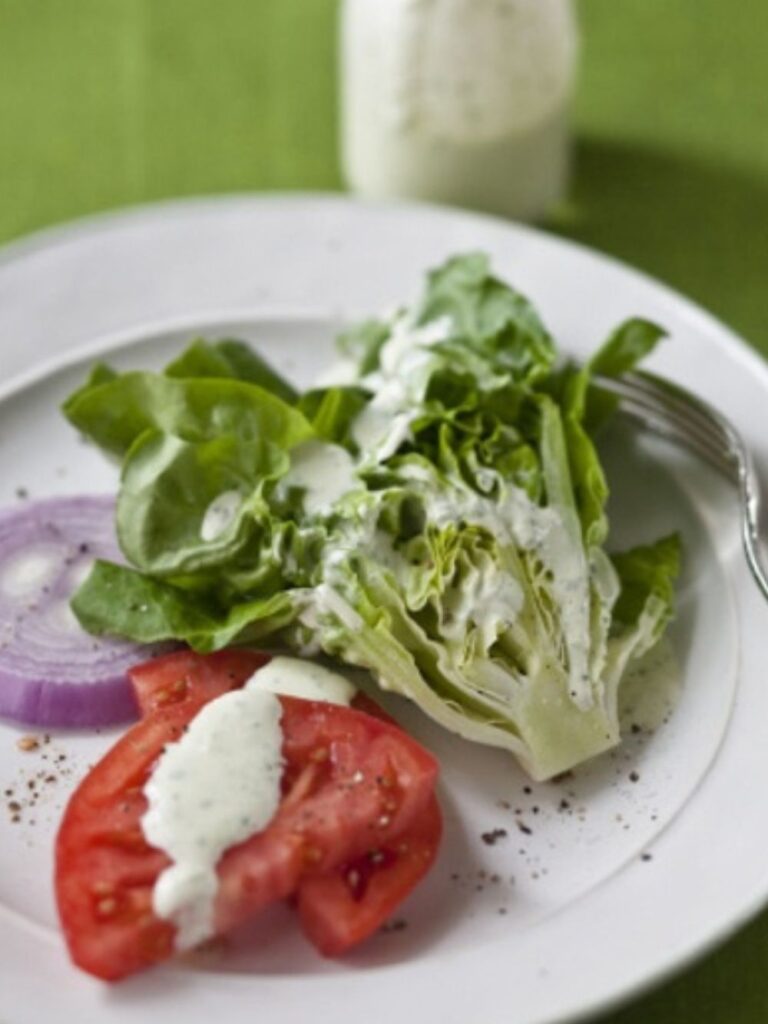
<point>433,513</point>
<point>437,516</point>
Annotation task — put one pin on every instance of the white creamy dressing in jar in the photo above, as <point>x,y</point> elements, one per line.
<point>458,101</point>
<point>220,784</point>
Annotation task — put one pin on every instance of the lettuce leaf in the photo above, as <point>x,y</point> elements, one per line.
<point>232,359</point>
<point>647,574</point>
<point>489,319</point>
<point>118,600</point>
<point>115,413</point>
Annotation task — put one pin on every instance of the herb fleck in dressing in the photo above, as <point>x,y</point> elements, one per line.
<point>220,784</point>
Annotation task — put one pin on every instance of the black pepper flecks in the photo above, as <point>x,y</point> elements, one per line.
<point>492,837</point>
<point>38,776</point>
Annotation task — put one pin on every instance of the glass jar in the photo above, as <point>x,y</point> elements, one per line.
<point>458,101</point>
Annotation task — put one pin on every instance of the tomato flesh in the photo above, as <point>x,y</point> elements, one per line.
<point>352,784</point>
<point>341,908</point>
<point>184,675</point>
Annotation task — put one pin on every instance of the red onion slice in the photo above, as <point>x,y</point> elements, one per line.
<point>53,673</point>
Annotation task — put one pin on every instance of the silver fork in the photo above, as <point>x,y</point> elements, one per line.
<point>673,412</point>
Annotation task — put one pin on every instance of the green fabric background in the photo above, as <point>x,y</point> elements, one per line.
<point>109,102</point>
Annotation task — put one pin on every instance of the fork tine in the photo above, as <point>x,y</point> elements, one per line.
<point>671,421</point>
<point>691,417</point>
<point>667,427</point>
<point>687,405</point>
<point>671,411</point>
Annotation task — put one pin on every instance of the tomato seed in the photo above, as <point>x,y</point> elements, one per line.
<point>106,907</point>
<point>102,888</point>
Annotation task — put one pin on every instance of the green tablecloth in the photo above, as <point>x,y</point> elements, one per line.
<point>108,102</point>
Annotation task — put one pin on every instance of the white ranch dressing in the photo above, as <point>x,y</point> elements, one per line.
<point>220,515</point>
<point>489,600</point>
<point>514,518</point>
<point>295,677</point>
<point>30,571</point>
<point>220,784</point>
<point>215,787</point>
<point>325,472</point>
<point>398,385</point>
<point>651,688</point>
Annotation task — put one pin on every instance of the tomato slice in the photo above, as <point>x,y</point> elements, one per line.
<point>184,675</point>
<point>341,908</point>
<point>345,906</point>
<point>351,783</point>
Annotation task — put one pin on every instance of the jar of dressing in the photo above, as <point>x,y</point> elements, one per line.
<point>458,101</point>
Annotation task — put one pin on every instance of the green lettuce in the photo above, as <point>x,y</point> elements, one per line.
<point>233,359</point>
<point>439,521</point>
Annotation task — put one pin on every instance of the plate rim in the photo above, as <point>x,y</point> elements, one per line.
<point>126,337</point>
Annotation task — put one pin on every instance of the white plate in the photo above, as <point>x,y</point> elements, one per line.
<point>588,919</point>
